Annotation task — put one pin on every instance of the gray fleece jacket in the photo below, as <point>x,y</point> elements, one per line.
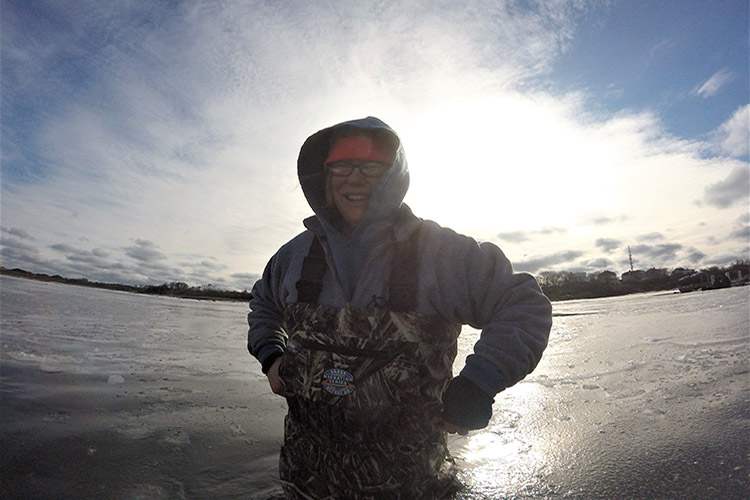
<point>464,281</point>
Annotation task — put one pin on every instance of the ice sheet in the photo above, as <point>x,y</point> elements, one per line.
<point>114,395</point>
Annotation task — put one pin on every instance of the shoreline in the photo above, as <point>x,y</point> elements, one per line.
<point>235,296</point>
<point>221,295</point>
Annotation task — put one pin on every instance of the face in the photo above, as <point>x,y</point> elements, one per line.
<point>351,195</point>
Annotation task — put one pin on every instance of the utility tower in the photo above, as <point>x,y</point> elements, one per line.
<point>630,256</point>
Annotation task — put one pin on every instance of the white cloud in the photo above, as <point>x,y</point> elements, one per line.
<point>183,128</point>
<point>145,251</point>
<point>181,132</point>
<point>564,258</point>
<point>733,136</point>
<point>608,244</point>
<point>654,236</point>
<point>714,84</point>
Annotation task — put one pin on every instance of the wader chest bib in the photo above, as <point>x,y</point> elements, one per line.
<point>364,388</point>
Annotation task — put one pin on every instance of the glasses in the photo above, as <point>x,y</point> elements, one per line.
<point>367,168</point>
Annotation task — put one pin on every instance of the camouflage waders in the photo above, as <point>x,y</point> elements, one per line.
<point>364,388</point>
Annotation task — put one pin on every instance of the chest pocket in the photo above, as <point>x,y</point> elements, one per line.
<point>329,361</point>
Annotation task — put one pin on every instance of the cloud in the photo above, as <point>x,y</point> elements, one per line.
<point>244,281</point>
<point>734,189</point>
<point>520,236</point>
<point>206,270</point>
<point>93,260</point>
<point>64,248</point>
<point>546,261</point>
<point>696,256</point>
<point>211,265</point>
<point>252,277</point>
<point>145,251</point>
<point>13,257</point>
<point>712,86</point>
<point>733,136</point>
<point>598,264</point>
<point>727,258</point>
<point>655,255</point>
<point>608,244</point>
<point>513,236</point>
<point>16,253</point>
<point>18,232</point>
<point>741,229</point>
<point>552,230</point>
<point>106,266</point>
<point>600,220</point>
<point>655,236</point>
<point>187,118</point>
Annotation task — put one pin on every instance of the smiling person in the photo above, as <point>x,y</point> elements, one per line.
<point>355,321</point>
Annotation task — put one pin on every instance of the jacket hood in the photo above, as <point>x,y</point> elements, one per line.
<point>388,194</point>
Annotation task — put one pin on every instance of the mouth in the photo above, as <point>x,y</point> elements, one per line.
<point>356,197</point>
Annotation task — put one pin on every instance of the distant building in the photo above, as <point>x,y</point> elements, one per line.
<point>717,280</point>
<point>655,274</point>
<point>681,272</point>
<point>734,274</point>
<point>633,276</point>
<point>704,280</point>
<point>578,277</point>
<point>607,277</point>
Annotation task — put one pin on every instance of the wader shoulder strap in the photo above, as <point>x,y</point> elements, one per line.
<point>311,278</point>
<point>402,288</point>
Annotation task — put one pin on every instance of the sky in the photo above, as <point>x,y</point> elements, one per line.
<point>150,142</point>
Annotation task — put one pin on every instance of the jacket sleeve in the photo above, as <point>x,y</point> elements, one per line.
<point>475,284</point>
<point>266,337</point>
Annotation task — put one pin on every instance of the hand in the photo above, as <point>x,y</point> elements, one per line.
<point>465,406</point>
<point>277,385</point>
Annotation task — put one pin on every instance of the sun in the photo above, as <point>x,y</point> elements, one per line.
<point>500,164</point>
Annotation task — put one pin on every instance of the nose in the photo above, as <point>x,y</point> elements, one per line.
<point>356,175</point>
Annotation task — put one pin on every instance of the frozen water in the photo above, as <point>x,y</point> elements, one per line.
<point>643,396</point>
<point>115,395</point>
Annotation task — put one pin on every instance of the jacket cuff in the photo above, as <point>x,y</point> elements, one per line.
<point>267,360</point>
<point>484,375</point>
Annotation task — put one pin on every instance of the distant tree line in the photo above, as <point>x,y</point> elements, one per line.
<point>557,285</point>
<point>566,285</point>
<point>173,289</point>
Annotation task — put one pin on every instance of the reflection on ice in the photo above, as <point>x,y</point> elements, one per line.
<point>490,447</point>
<point>638,384</point>
<point>497,464</point>
<point>506,456</point>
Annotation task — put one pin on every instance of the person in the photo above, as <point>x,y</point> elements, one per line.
<point>355,321</point>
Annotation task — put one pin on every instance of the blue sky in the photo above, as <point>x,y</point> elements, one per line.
<point>649,55</point>
<point>145,142</point>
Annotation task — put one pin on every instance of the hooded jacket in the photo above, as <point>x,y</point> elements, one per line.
<point>464,281</point>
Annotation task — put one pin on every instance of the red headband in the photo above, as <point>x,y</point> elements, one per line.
<point>360,147</point>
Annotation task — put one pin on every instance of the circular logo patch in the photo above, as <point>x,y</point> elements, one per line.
<point>338,382</point>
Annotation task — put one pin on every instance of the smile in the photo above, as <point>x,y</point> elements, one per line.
<point>357,197</point>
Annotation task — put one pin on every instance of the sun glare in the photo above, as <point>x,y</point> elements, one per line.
<point>501,164</point>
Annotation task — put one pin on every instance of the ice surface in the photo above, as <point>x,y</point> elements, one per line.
<point>644,396</point>
<point>115,395</point>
